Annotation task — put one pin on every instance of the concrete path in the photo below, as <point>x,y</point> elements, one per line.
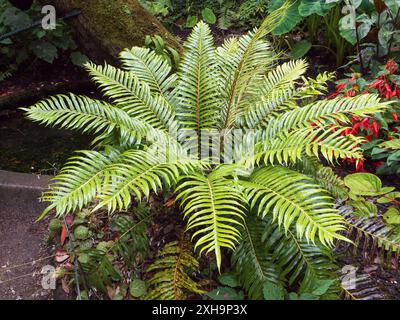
<point>21,240</point>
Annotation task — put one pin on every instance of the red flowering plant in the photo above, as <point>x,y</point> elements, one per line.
<point>380,128</point>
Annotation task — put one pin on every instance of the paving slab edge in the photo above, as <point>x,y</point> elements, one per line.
<point>17,180</point>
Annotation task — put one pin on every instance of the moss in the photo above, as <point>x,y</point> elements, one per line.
<point>121,23</point>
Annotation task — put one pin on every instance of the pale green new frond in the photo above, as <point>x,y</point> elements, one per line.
<point>133,96</point>
<point>293,199</point>
<point>89,115</point>
<point>324,111</point>
<point>241,66</point>
<point>215,210</point>
<point>276,89</point>
<point>197,96</point>
<point>251,260</point>
<point>139,172</point>
<point>173,266</point>
<point>79,181</point>
<point>150,68</point>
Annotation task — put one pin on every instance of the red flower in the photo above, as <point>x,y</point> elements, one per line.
<point>365,123</point>
<point>395,116</point>
<point>360,166</point>
<point>356,128</point>
<point>391,66</point>
<point>375,129</point>
<point>340,86</point>
<point>368,137</point>
<point>355,119</point>
<point>377,83</point>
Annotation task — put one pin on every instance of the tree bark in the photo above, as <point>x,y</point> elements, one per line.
<point>106,27</point>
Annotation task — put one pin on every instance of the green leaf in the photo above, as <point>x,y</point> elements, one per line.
<point>347,28</point>
<point>364,209</point>
<point>389,197</point>
<point>273,291</point>
<point>78,58</point>
<point>289,19</point>
<point>45,51</point>
<point>229,280</point>
<point>191,21</point>
<point>300,49</point>
<point>366,184</point>
<point>137,288</point>
<point>392,216</point>
<point>209,16</point>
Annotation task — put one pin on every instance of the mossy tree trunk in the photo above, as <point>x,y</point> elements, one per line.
<point>105,27</point>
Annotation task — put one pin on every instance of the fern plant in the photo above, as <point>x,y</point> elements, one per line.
<point>228,132</point>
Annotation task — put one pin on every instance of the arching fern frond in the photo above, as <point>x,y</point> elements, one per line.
<point>325,111</point>
<point>133,96</point>
<point>324,176</point>
<point>172,266</point>
<point>286,148</point>
<point>215,210</point>
<point>89,116</point>
<point>253,264</point>
<point>138,172</point>
<point>298,259</point>
<point>79,181</point>
<point>372,237</point>
<point>293,199</point>
<point>197,96</point>
<point>149,68</point>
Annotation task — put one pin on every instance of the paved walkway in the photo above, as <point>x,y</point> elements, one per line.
<point>21,240</point>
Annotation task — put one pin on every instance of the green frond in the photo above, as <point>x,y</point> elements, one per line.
<point>149,68</point>
<point>173,266</point>
<point>253,264</point>
<point>139,172</point>
<point>78,183</point>
<point>276,90</point>
<point>324,111</point>
<point>324,176</point>
<point>89,116</point>
<point>299,260</point>
<point>197,96</point>
<point>293,199</point>
<point>372,236</point>
<point>133,96</point>
<point>289,147</point>
<point>215,210</point>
